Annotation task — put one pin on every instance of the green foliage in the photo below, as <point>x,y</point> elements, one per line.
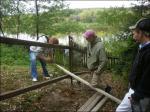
<point>7,7</point>
<point>125,49</point>
<point>14,55</point>
<point>67,27</point>
<point>65,21</point>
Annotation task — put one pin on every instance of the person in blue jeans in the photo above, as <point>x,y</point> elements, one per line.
<point>48,53</point>
<point>34,52</point>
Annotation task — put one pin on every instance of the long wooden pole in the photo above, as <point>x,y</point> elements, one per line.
<point>89,85</point>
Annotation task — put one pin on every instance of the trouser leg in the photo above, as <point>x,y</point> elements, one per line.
<point>125,105</point>
<point>97,81</point>
<point>33,64</point>
<point>45,71</point>
<point>142,105</point>
<point>94,81</point>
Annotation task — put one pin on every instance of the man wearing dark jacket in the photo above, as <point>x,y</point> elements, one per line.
<point>138,97</point>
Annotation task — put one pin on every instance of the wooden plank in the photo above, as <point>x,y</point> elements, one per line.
<point>7,40</point>
<point>93,103</point>
<point>99,105</point>
<point>100,91</point>
<point>87,103</point>
<point>17,92</point>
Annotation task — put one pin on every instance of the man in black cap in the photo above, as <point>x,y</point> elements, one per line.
<point>138,97</point>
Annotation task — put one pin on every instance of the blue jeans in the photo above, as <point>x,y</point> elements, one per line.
<point>33,59</point>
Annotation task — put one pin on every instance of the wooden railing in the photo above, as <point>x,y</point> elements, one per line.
<point>13,93</point>
<point>12,41</point>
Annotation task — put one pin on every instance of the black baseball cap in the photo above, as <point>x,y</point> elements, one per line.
<point>142,24</point>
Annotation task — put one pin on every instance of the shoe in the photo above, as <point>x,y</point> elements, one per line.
<point>34,80</point>
<point>108,89</point>
<point>47,78</point>
<point>51,75</point>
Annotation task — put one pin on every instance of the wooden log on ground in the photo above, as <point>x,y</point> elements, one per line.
<point>87,103</point>
<point>17,92</point>
<point>100,104</point>
<point>89,85</point>
<point>93,103</point>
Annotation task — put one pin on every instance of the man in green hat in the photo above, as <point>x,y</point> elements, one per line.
<point>138,97</point>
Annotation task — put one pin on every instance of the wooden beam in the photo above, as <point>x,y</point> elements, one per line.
<point>89,85</point>
<point>7,40</point>
<point>17,92</point>
<point>81,109</point>
<point>93,103</point>
<point>100,104</point>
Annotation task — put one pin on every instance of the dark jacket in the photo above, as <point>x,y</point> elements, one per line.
<point>139,77</point>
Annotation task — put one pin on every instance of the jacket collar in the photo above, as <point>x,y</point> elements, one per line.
<point>146,46</point>
<point>95,41</point>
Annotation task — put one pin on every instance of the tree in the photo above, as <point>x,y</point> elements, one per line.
<point>21,15</point>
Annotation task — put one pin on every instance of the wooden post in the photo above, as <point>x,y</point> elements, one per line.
<point>85,59</point>
<point>70,57</point>
<point>89,85</point>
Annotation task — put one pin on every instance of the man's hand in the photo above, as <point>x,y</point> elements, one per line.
<point>95,72</point>
<point>40,57</point>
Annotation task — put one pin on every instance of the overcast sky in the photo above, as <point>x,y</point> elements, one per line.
<point>73,4</point>
<point>100,4</point>
<point>80,4</point>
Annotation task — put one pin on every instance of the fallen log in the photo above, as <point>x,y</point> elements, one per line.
<point>87,103</point>
<point>100,104</point>
<point>93,103</point>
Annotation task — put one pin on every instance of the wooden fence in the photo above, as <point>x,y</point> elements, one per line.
<point>13,93</point>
